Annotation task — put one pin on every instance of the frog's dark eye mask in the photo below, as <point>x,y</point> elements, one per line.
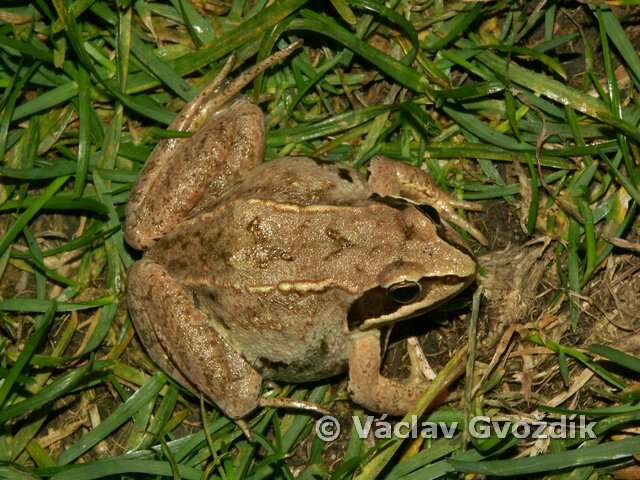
<point>404,299</point>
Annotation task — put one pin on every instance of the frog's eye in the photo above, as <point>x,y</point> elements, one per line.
<point>405,292</point>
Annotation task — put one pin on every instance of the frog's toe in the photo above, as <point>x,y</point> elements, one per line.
<point>450,215</point>
<point>421,371</point>
<point>293,404</point>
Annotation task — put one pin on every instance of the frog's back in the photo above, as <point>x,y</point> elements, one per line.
<point>302,181</point>
<point>280,261</point>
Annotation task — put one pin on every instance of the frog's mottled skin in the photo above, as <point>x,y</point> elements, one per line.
<point>275,270</point>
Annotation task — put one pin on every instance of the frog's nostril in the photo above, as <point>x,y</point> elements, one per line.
<point>405,292</point>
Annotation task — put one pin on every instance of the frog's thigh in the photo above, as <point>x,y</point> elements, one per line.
<point>189,341</point>
<point>369,388</point>
<point>138,299</point>
<point>183,175</point>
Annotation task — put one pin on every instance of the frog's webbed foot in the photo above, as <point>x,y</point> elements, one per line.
<point>369,388</point>
<point>182,174</point>
<point>182,340</point>
<point>390,178</point>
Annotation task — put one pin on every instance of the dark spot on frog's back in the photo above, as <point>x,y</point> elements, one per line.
<point>409,231</point>
<point>345,174</point>
<point>180,243</point>
<point>332,233</point>
<point>341,240</point>
<point>178,264</point>
<point>256,229</point>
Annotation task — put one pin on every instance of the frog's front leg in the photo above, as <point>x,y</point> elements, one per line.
<point>390,178</point>
<point>182,174</point>
<point>369,388</point>
<point>183,341</point>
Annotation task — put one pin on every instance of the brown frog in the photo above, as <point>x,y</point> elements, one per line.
<point>284,270</point>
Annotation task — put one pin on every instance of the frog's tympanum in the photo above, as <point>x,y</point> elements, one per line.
<point>284,270</point>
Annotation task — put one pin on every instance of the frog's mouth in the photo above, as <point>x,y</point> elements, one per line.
<point>379,306</point>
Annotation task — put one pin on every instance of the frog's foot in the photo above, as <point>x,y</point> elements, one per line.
<point>390,178</point>
<point>373,391</point>
<point>421,371</point>
<point>183,341</point>
<point>182,174</point>
<point>213,97</point>
<point>244,426</point>
<point>293,404</point>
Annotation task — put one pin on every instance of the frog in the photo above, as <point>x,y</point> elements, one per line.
<point>287,270</point>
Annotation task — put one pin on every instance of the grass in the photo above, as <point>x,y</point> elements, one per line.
<point>471,91</point>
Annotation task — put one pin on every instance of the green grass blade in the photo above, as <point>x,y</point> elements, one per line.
<point>454,28</point>
<point>323,25</point>
<point>329,126</point>
<point>620,39</point>
<point>559,92</point>
<point>41,328</point>
<point>160,69</point>
<point>345,12</point>
<point>35,305</point>
<point>60,203</point>
<point>46,101</point>
<point>249,31</point>
<point>84,118</point>
<point>480,129</point>
<point>605,452</point>
<point>47,395</point>
<point>616,356</point>
<point>30,212</point>
<point>121,415</point>
<point>119,466</point>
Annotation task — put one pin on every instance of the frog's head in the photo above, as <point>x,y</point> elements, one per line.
<point>424,272</point>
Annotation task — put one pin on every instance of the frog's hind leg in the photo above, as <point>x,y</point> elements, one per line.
<point>182,174</point>
<point>182,340</point>
<point>369,388</point>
